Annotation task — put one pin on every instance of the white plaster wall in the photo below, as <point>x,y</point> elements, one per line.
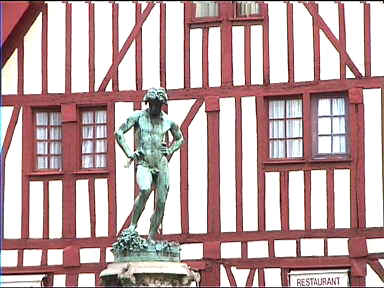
<point>36,199</point>
<point>238,55</point>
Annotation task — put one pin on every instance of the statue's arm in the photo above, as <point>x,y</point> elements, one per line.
<point>125,127</point>
<point>178,136</point>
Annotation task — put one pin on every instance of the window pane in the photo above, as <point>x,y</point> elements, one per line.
<point>42,148</point>
<point>87,117</point>
<point>101,116</point>
<point>338,125</point>
<point>338,106</point>
<point>294,128</point>
<point>206,8</point>
<point>324,126</point>
<point>55,133</point>
<point>101,161</point>
<point>324,107</point>
<point>339,144</point>
<point>248,8</point>
<point>277,149</point>
<point>294,108</point>
<point>101,146</point>
<point>294,148</point>
<point>87,161</point>
<point>55,118</point>
<point>87,132</point>
<point>55,148</point>
<point>41,133</point>
<point>55,162</point>
<point>324,144</point>
<point>101,131</point>
<point>42,118</point>
<point>42,162</point>
<point>276,129</point>
<point>87,147</point>
<point>276,109</point>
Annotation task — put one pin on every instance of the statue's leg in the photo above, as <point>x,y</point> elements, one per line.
<point>161,196</point>
<point>144,181</point>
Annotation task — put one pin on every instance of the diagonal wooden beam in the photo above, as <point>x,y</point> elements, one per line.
<point>335,42</point>
<point>231,278</point>
<point>377,267</point>
<point>127,44</point>
<point>10,131</point>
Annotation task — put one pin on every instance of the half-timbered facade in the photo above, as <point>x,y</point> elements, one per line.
<point>280,105</point>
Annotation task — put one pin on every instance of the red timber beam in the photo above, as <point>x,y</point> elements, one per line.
<point>290,46</point>
<point>136,29</point>
<point>316,43</point>
<point>335,42</point>
<point>367,39</point>
<point>91,47</point>
<point>266,68</point>
<point>187,58</point>
<point>378,268</point>
<point>115,44</point>
<point>239,165</point>
<point>342,39</point>
<point>163,76</point>
<point>138,52</point>
<point>226,46</point>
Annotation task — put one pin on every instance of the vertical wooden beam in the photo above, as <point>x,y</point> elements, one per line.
<point>330,200</point>
<point>367,39</point>
<point>353,172</point>
<point>46,211</point>
<point>231,278</point>
<point>307,124</point>
<point>239,165</point>
<point>316,43</point>
<point>44,257</point>
<point>382,137</point>
<point>284,277</point>
<point>271,248</point>
<point>247,54</point>
<point>262,150</point>
<point>226,45</point>
<point>112,206</point>
<point>204,65</point>
<point>307,199</point>
<point>115,45</point>
<point>20,258</point>
<point>184,182</point>
<point>68,47</point>
<point>91,55</point>
<point>325,247</point>
<point>244,250</point>
<point>92,210</point>
<point>342,38</point>
<point>290,46</point>
<point>20,68</point>
<point>187,65</point>
<point>284,200</point>
<point>139,51</point>
<point>71,279</point>
<point>360,167</point>
<point>261,275</point>
<point>44,50</point>
<point>298,248</point>
<point>163,43</point>
<point>251,277</point>
<point>266,75</point>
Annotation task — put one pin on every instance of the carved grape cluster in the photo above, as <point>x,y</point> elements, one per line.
<point>129,240</point>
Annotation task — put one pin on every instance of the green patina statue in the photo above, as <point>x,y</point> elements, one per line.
<point>152,165</point>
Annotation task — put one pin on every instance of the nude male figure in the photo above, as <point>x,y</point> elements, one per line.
<point>152,165</point>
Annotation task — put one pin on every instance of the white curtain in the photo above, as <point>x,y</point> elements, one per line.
<point>88,117</point>
<point>276,129</point>
<point>276,109</point>
<point>42,118</point>
<point>206,8</point>
<point>324,107</point>
<point>55,118</point>
<point>248,8</point>
<point>87,161</point>
<point>101,116</point>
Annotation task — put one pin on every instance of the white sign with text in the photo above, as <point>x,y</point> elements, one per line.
<point>319,278</point>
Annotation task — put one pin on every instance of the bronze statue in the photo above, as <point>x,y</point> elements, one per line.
<point>152,165</point>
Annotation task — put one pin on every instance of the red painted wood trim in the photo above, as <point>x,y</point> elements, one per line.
<point>9,134</point>
<point>115,45</point>
<point>187,59</point>
<point>342,38</point>
<point>204,57</point>
<point>91,55</point>
<point>44,50</point>
<point>335,42</point>
<point>307,124</point>
<point>69,207</point>
<point>271,248</point>
<point>191,114</point>
<point>20,68</point>
<point>261,277</point>
<point>132,36</point>
<point>163,37</point>
<point>244,250</point>
<point>361,167</point>
<point>184,183</point>
<point>367,39</point>
<point>290,46</point>
<point>377,267</point>
<point>353,170</point>
<point>44,257</point>
<point>13,13</point>
<point>226,48</point>
<point>92,211</point>
<point>239,165</point>
<point>382,130</point>
<point>266,75</point>
<point>112,205</point>
<point>46,211</point>
<point>307,199</point>
<point>284,200</point>
<point>247,54</point>
<point>20,258</point>
<point>330,199</point>
<point>251,277</point>
<point>325,247</point>
<point>71,279</point>
<point>261,152</point>
<point>68,47</point>
<point>138,51</point>
<point>284,277</point>
<point>231,278</point>
<point>316,43</point>
<point>298,248</point>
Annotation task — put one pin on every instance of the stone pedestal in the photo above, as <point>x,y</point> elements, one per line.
<point>149,273</point>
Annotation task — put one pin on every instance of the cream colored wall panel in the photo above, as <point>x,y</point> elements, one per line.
<point>80,47</point>
<point>32,58</point>
<point>272,201</point>
<point>256,54</point>
<point>191,251</point>
<point>32,257</point>
<point>89,255</point>
<point>257,249</point>
<point>303,43</point>
<point>196,66</point>
<point>174,44</point>
<point>36,200</point>
<point>55,208</point>
<point>12,184</point>
<point>296,200</point>
<point>109,255</point>
<point>9,75</point>
<point>312,247</point>
<point>230,250</point>
<point>83,221</point>
<point>377,40</point>
<point>224,282</point>
<point>337,246</point>
<point>214,57</point>
<point>238,55</point>
<point>9,258</point>
<point>285,248</point>
<point>197,173</point>
<point>318,199</point>
<point>227,165</point>
<point>249,141</point>
<point>372,279</point>
<point>241,276</point>
<point>342,179</point>
<point>272,277</point>
<point>59,280</point>
<point>101,207</point>
<point>278,34</point>
<point>86,280</point>
<point>5,114</point>
<point>55,257</point>
<point>375,245</point>
<point>56,47</point>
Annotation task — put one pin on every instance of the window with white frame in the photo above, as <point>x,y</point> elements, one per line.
<point>285,128</point>
<point>94,138</point>
<point>247,8</point>
<point>206,8</point>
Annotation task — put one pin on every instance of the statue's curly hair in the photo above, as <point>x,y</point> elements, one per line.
<point>156,94</point>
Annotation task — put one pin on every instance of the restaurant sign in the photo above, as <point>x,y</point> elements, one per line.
<point>319,278</point>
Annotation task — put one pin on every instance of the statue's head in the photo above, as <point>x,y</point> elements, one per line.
<point>158,94</point>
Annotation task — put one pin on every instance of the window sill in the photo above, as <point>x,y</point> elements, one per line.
<point>46,173</point>
<point>247,19</point>
<point>284,161</point>
<point>201,22</point>
<point>92,172</point>
<point>330,160</point>
<point>311,161</point>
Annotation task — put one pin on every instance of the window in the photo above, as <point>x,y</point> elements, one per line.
<point>330,125</point>
<point>48,140</point>
<point>206,9</point>
<point>285,128</point>
<point>247,8</point>
<point>94,138</point>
